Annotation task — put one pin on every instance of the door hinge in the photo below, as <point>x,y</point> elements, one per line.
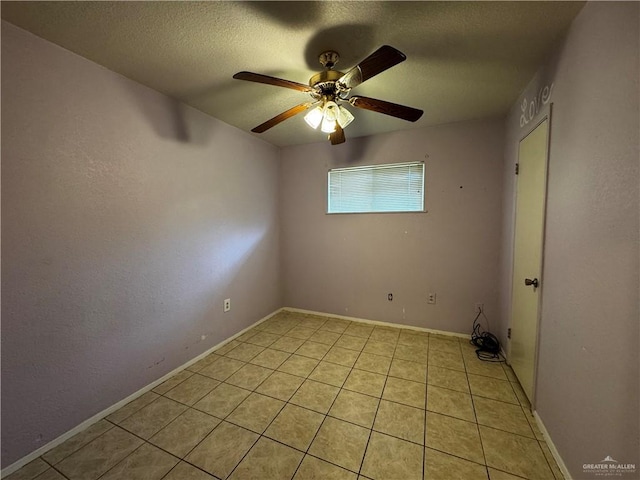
<point>508,333</point>
<point>517,168</point>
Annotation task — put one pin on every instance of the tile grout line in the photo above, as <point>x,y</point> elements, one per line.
<point>54,467</point>
<point>475,414</point>
<point>88,443</point>
<point>209,433</point>
<point>494,428</point>
<point>426,398</point>
<point>426,383</point>
<point>364,455</point>
<point>144,441</point>
<point>547,459</point>
<point>224,419</point>
<point>305,378</point>
<point>306,451</point>
<point>272,420</point>
<point>261,435</point>
<point>326,415</point>
<point>466,373</point>
<point>127,456</point>
<point>300,406</point>
<point>231,412</point>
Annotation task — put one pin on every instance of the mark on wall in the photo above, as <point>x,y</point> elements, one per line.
<point>156,363</point>
<point>531,108</point>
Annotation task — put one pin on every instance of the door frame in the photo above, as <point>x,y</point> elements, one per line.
<point>545,114</point>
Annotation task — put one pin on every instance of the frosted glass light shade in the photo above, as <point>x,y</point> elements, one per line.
<point>328,125</point>
<point>344,117</point>
<point>331,110</point>
<point>314,117</point>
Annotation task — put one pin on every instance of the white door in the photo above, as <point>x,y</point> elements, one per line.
<point>527,256</point>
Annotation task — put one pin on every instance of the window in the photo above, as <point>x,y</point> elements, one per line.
<point>395,187</point>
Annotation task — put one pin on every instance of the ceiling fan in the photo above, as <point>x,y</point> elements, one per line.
<point>330,88</point>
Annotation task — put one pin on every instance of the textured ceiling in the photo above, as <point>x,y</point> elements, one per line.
<point>465,60</point>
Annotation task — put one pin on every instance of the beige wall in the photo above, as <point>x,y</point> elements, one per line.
<point>347,264</point>
<point>124,226</point>
<point>589,366</point>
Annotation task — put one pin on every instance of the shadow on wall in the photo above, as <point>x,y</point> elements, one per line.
<point>170,118</point>
<point>352,152</point>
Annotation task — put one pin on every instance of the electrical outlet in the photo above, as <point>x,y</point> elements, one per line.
<point>479,307</point>
<point>227,304</point>
<point>431,298</point>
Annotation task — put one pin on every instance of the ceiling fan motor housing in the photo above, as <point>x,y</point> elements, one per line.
<point>325,81</point>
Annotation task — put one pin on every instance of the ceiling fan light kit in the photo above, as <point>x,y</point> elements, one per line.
<point>327,115</point>
<point>330,87</point>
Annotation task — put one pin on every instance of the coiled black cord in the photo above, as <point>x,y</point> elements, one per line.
<point>487,344</point>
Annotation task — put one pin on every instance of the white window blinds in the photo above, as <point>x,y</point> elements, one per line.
<point>395,187</point>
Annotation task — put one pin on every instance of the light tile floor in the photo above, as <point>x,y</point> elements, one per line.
<point>309,397</point>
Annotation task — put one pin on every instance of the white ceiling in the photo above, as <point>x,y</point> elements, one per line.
<point>465,60</point>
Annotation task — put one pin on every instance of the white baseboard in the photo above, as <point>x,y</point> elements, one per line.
<point>378,322</point>
<point>504,355</point>
<point>547,438</point>
<point>552,447</point>
<point>99,416</point>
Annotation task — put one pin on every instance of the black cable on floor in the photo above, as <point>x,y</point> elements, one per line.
<point>487,344</point>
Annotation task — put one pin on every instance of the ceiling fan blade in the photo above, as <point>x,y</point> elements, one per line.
<point>281,118</point>
<point>379,61</point>
<point>400,111</point>
<point>337,136</point>
<point>278,82</point>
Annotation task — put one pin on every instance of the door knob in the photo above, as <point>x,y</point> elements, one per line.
<point>534,282</point>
